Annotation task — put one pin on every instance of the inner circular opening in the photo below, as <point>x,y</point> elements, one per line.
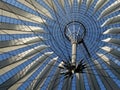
<point>75,31</point>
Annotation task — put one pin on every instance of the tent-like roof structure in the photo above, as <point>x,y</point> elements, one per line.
<point>59,44</point>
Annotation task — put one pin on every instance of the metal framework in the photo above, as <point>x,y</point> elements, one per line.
<point>59,44</point>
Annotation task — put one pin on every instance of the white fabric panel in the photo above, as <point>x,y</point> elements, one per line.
<point>112,8</point>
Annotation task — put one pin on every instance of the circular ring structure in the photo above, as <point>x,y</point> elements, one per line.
<point>75,31</point>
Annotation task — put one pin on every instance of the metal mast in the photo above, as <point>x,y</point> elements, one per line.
<point>75,33</point>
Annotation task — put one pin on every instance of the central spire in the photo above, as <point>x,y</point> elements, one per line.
<point>74,32</point>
